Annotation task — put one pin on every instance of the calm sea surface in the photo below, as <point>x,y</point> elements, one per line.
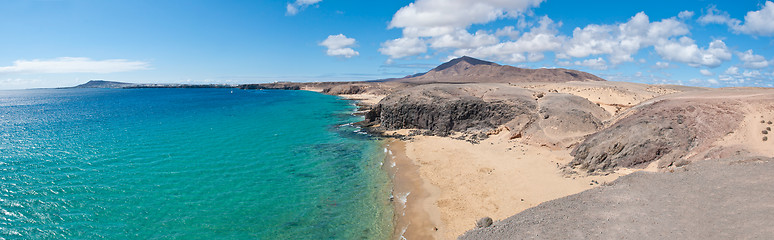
<point>187,164</point>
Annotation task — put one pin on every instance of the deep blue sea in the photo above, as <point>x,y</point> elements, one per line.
<point>187,164</point>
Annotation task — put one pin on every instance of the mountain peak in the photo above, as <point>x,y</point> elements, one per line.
<point>463,60</point>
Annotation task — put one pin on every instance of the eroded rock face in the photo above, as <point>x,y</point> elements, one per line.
<point>551,119</point>
<point>345,89</point>
<point>442,108</point>
<point>665,131</point>
<point>570,115</point>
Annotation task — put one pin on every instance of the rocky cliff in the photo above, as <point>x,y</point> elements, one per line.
<point>551,119</point>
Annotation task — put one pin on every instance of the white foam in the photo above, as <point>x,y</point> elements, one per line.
<point>385,150</point>
<point>402,198</point>
<point>393,164</point>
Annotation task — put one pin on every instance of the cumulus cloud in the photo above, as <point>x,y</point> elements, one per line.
<point>340,46</point>
<point>528,47</point>
<point>597,63</point>
<point>621,41</point>
<point>463,39</point>
<point>733,76</point>
<point>751,60</point>
<point>403,47</point>
<point>715,16</point>
<point>732,70</point>
<point>686,51</point>
<point>685,14</point>
<point>442,24</point>
<point>427,18</point>
<point>759,22</point>
<point>706,72</point>
<point>662,65</point>
<point>74,65</point>
<point>294,7</point>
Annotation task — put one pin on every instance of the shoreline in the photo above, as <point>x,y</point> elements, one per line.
<point>441,186</point>
<point>415,214</point>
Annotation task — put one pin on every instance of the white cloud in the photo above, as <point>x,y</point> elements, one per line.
<point>533,43</point>
<point>442,24</point>
<point>621,41</point>
<point>74,65</point>
<point>294,7</point>
<point>662,65</point>
<point>686,51</point>
<point>706,72</point>
<point>713,15</point>
<point>508,31</point>
<point>759,22</point>
<point>403,47</point>
<point>751,60</point>
<point>685,14</point>
<point>732,70</point>
<point>732,76</point>
<point>427,18</point>
<point>598,63</point>
<point>340,46</point>
<point>463,39</point>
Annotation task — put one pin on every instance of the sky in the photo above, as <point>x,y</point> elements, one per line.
<point>58,43</point>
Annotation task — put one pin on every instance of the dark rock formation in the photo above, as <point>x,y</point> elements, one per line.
<point>442,108</point>
<point>277,86</point>
<point>556,119</point>
<point>666,130</point>
<point>345,89</point>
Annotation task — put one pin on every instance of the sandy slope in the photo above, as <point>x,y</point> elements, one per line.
<point>495,178</point>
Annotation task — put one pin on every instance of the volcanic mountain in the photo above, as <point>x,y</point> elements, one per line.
<point>471,70</point>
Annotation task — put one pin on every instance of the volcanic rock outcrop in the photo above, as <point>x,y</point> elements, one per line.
<point>552,119</point>
<point>677,129</point>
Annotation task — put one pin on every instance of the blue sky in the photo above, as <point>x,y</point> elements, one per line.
<point>55,43</point>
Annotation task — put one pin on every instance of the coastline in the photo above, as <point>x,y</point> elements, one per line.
<point>415,214</point>
<point>441,186</point>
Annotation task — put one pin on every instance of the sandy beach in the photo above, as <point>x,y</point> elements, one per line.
<point>453,182</point>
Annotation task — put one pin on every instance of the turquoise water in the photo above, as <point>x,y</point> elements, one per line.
<point>187,164</point>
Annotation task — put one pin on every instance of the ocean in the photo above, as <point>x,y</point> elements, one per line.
<point>188,164</point>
